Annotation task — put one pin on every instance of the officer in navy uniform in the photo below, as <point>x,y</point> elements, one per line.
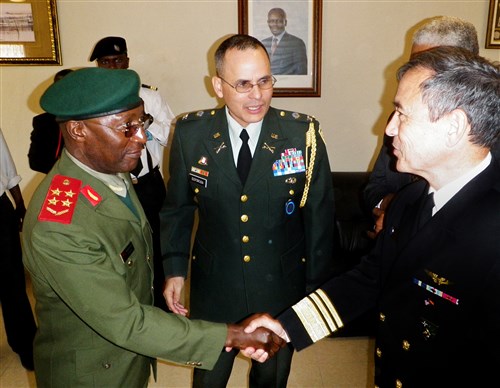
<point>263,239</point>
<point>435,279</point>
<point>111,53</point>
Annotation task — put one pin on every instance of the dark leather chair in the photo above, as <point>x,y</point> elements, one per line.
<point>351,242</point>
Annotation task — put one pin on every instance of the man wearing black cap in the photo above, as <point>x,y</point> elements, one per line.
<point>88,247</point>
<point>111,53</point>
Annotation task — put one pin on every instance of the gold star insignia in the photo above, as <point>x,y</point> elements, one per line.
<point>66,203</point>
<point>69,193</point>
<point>53,201</point>
<point>56,192</point>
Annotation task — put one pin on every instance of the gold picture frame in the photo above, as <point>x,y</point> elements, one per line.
<point>493,31</point>
<point>29,33</point>
<point>304,20</point>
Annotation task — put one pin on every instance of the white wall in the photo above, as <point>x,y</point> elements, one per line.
<point>171,44</point>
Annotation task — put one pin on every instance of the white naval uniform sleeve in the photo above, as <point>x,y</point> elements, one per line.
<point>163,116</point>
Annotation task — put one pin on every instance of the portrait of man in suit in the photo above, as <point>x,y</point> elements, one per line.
<point>287,52</point>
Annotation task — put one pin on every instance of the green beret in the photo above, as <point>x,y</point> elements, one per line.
<point>92,92</point>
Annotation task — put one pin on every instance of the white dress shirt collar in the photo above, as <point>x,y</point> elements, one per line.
<point>235,128</point>
<point>447,192</point>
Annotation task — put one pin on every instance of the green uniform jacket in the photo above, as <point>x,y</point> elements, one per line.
<point>255,249</point>
<point>92,279</point>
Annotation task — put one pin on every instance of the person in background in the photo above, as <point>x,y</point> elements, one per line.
<point>111,53</point>
<point>88,248</point>
<point>287,52</point>
<point>434,274</point>
<point>260,180</point>
<point>385,180</point>
<point>20,326</point>
<point>46,139</point>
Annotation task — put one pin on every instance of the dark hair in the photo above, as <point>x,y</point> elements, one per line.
<point>461,80</point>
<point>239,42</point>
<point>280,11</point>
<point>61,74</point>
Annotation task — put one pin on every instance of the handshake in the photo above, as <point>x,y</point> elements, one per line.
<point>258,337</point>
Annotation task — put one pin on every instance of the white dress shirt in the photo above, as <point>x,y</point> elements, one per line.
<point>8,173</point>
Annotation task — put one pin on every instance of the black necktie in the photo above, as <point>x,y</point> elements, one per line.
<point>244,157</point>
<point>426,211</point>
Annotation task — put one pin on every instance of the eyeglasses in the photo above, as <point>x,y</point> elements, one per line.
<point>130,129</point>
<point>246,86</point>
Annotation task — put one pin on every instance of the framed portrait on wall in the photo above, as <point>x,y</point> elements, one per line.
<point>291,33</point>
<point>29,33</point>
<point>493,30</point>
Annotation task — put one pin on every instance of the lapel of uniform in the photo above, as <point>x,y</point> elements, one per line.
<point>112,206</point>
<point>218,145</point>
<point>269,148</point>
<point>416,245</point>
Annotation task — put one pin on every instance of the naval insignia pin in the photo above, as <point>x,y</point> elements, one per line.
<point>439,280</point>
<point>203,161</point>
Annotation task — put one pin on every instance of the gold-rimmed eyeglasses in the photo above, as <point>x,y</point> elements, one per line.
<point>129,129</point>
<point>245,86</point>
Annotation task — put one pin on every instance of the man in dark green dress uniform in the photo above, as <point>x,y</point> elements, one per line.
<point>265,232</point>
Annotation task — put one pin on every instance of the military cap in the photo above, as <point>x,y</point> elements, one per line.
<point>92,92</point>
<point>111,45</point>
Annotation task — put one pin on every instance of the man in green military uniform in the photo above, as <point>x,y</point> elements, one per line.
<point>88,249</point>
<point>264,234</point>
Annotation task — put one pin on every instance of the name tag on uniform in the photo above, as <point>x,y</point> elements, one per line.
<point>198,180</point>
<point>129,249</point>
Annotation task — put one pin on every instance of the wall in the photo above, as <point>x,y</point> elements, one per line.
<point>171,45</point>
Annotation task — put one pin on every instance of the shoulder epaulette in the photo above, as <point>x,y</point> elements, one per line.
<point>295,116</point>
<point>149,87</point>
<point>60,201</point>
<point>199,114</point>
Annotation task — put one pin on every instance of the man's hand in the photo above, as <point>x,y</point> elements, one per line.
<point>378,213</point>
<point>260,343</point>
<point>172,295</point>
<point>265,320</point>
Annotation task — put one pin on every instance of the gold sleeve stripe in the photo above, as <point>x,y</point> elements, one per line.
<point>317,315</point>
<point>329,306</point>
<point>326,309</point>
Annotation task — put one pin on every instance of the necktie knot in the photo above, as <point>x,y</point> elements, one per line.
<point>244,135</point>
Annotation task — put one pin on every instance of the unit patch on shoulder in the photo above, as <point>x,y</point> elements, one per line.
<point>60,202</point>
